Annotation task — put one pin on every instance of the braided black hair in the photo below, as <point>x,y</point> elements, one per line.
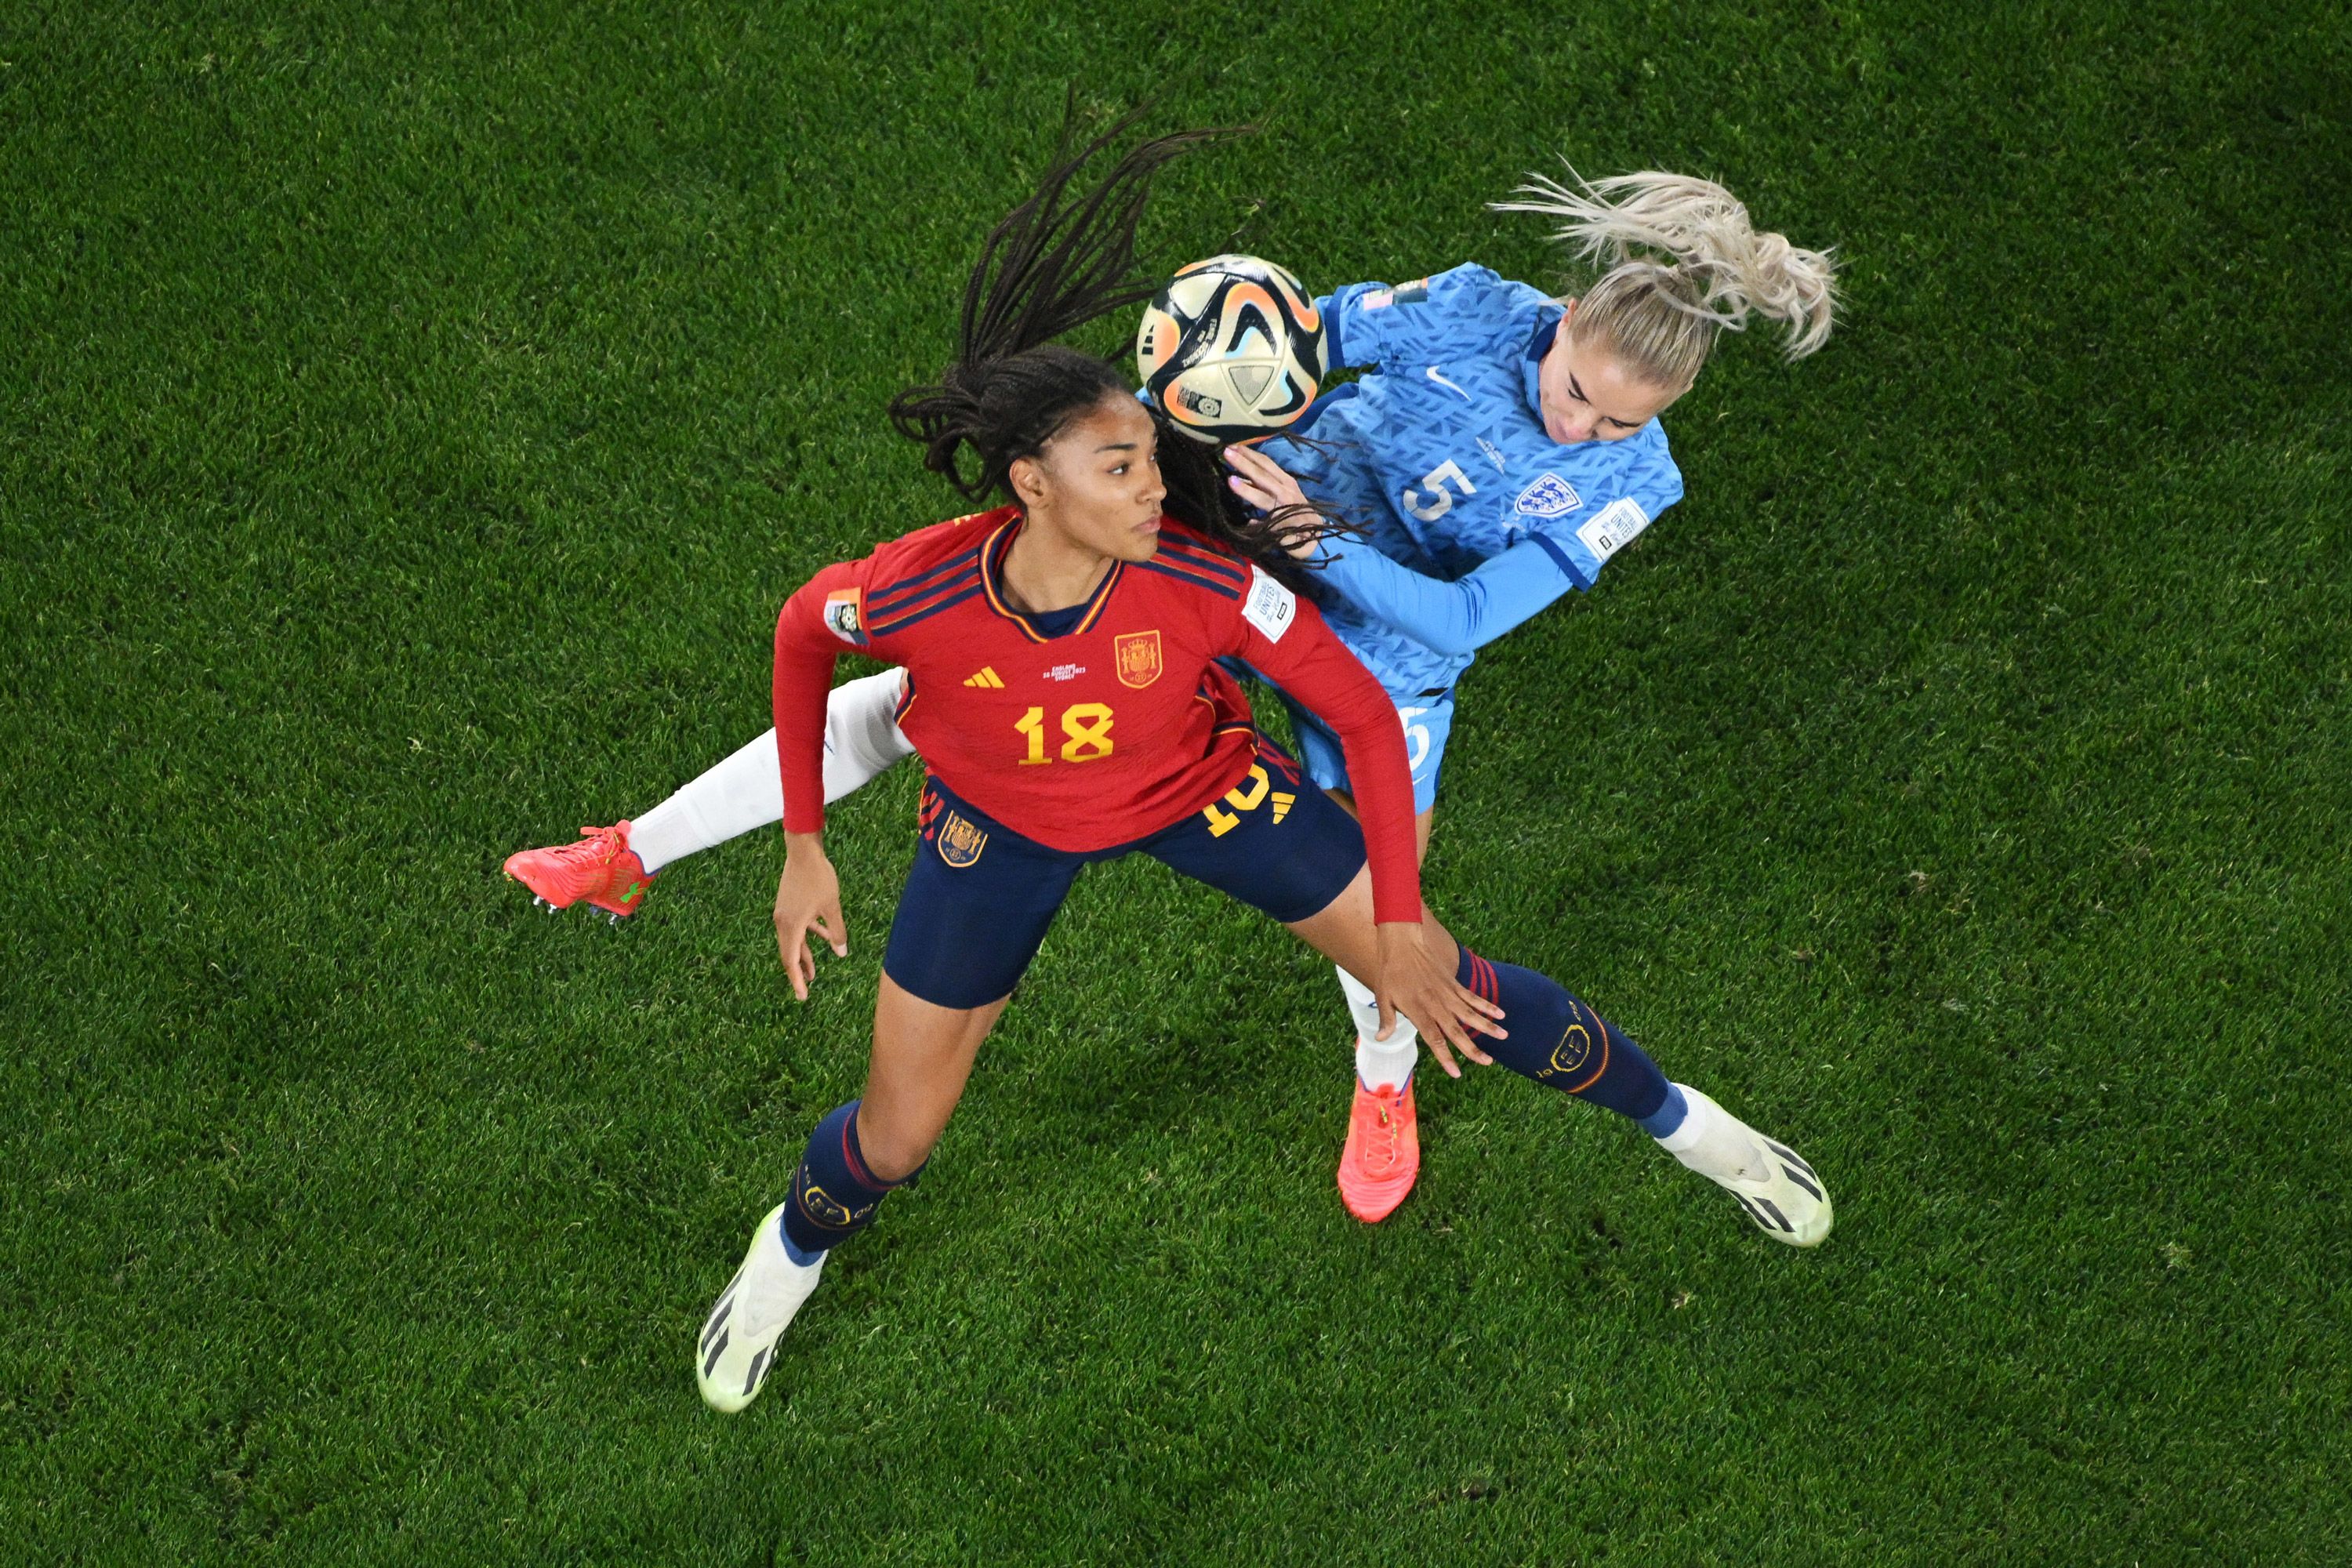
<point>1055,263</point>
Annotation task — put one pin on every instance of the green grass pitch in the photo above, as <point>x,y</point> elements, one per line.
<point>411,416</point>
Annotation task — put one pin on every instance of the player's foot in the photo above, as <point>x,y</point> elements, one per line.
<point>1778,1191</point>
<point>601,868</point>
<point>1382,1158</point>
<point>737,1347</point>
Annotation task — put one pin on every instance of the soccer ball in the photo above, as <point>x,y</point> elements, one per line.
<point>1232,348</point>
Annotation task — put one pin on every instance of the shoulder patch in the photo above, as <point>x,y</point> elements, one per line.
<point>841,615</point>
<point>1549,496</point>
<point>1414,293</point>
<point>1615,528</point>
<point>1270,607</point>
<point>1376,299</point>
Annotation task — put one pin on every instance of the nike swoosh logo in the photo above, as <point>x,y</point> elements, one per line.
<point>1434,376</point>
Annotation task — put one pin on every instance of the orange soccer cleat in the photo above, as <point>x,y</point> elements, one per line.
<point>601,868</point>
<point>1382,1158</point>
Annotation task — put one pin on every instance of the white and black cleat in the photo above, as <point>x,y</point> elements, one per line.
<point>1777,1189</point>
<point>1792,1203</point>
<point>737,1347</point>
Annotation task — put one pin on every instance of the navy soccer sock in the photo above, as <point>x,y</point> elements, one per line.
<point>1563,1044</point>
<point>834,1194</point>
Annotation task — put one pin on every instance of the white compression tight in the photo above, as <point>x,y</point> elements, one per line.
<point>862,739</point>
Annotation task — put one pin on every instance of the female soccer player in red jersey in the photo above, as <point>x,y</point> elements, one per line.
<point>1064,691</point>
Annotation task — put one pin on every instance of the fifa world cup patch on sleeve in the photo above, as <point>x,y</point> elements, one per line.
<point>1551,496</point>
<point>841,615</point>
<point>1270,607</point>
<point>1615,528</point>
<point>1414,293</point>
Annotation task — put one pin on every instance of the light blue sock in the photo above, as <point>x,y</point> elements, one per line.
<point>791,1250</point>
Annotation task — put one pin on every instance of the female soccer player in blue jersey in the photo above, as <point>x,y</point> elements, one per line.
<point>1501,447</point>
<point>1497,429</point>
<point>1098,607</point>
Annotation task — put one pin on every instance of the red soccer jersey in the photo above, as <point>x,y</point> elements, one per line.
<point>1109,733</point>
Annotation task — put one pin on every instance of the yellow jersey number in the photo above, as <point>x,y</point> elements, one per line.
<point>1086,727</point>
<point>1246,795</point>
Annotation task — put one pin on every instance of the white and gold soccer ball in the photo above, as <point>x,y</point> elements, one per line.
<point>1232,348</point>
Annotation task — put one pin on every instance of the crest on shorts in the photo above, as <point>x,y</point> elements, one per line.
<point>960,841</point>
<point>1137,656</point>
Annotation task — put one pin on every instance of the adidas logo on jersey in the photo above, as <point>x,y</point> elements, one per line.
<point>987,678</point>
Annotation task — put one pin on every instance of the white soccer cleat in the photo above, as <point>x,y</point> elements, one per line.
<point>1788,1201</point>
<point>737,1349</point>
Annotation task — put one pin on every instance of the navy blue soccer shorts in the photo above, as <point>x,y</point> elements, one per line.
<point>980,896</point>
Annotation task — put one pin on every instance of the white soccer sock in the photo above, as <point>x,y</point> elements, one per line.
<point>1713,1141</point>
<point>747,791</point>
<point>1379,1062</point>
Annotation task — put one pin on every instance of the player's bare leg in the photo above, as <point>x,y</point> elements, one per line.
<point>1381,1158</point>
<point>611,868</point>
<point>921,1059</point>
<point>1558,1041</point>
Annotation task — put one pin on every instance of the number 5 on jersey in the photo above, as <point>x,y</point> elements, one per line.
<point>1438,500</point>
<point>1087,726</point>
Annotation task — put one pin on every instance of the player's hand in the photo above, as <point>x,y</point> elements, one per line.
<point>808,898</point>
<point>1265,484</point>
<point>1414,982</point>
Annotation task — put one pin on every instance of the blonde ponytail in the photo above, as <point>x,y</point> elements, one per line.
<point>1685,264</point>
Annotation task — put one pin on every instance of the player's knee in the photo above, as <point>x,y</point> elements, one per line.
<point>894,1147</point>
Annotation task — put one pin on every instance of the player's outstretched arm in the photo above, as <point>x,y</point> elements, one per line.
<point>1455,617</point>
<point>808,893</point>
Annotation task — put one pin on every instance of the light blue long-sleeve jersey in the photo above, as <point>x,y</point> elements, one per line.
<point>1460,617</point>
<point>1442,456</point>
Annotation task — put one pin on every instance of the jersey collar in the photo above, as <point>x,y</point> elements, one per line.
<point>1547,319</point>
<point>991,582</point>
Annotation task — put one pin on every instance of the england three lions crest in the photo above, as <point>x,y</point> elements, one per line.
<point>1137,656</point>
<point>961,841</point>
<point>1549,496</point>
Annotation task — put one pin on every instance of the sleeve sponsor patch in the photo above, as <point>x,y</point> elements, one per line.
<point>1613,528</point>
<point>841,615</point>
<point>1270,607</point>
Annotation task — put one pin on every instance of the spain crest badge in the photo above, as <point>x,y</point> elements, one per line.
<point>1137,656</point>
<point>961,841</point>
